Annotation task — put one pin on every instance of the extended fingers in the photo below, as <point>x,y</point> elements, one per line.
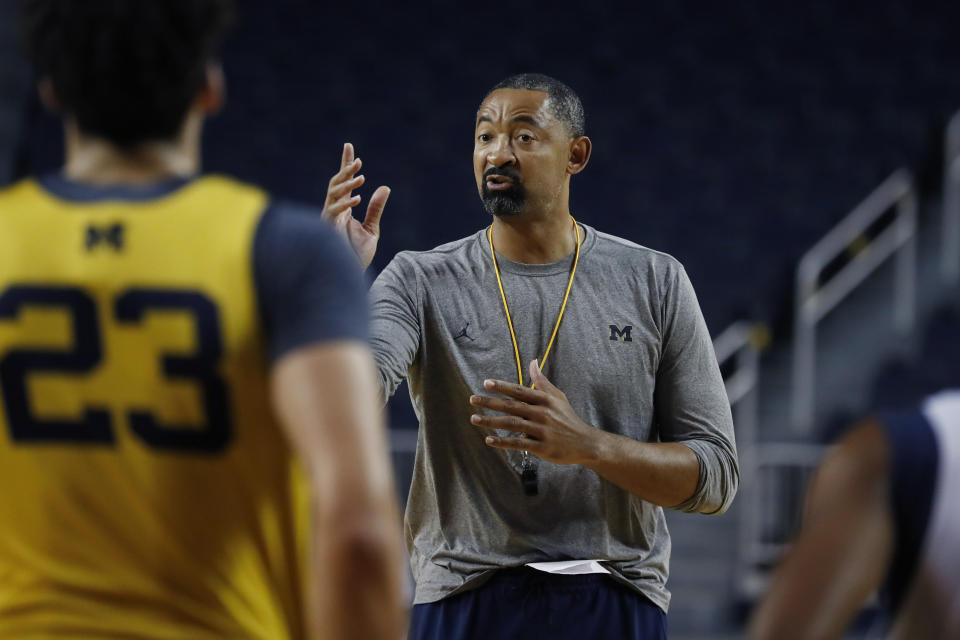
<point>375,209</point>
<point>517,391</point>
<point>341,188</point>
<point>341,205</point>
<point>346,173</point>
<point>347,156</point>
<point>506,405</point>
<point>540,381</point>
<point>513,442</point>
<point>340,198</point>
<point>508,423</point>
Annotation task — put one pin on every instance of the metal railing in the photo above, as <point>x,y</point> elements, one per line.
<point>741,342</point>
<point>814,299</point>
<point>773,508</point>
<point>950,207</point>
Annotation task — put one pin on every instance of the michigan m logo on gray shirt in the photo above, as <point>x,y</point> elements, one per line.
<point>616,333</point>
<point>467,513</point>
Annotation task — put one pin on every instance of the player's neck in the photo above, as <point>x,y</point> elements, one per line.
<point>534,241</point>
<point>96,161</point>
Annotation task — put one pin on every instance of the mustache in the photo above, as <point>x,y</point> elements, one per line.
<point>506,172</point>
<point>507,202</point>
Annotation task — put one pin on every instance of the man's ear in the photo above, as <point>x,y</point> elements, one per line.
<point>213,93</point>
<point>580,149</point>
<point>48,95</point>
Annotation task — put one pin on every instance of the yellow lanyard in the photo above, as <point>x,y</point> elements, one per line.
<point>506,308</point>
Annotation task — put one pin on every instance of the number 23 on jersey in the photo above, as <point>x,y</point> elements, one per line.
<point>138,385</point>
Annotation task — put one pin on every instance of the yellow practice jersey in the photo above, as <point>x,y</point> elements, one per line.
<point>147,491</point>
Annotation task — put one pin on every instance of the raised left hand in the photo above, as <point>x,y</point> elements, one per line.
<point>338,208</point>
<point>552,430</point>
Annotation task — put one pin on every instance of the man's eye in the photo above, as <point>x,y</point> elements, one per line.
<point>524,137</point>
<point>484,137</point>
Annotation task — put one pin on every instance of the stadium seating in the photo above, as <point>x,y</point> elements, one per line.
<point>721,136</point>
<point>730,146</point>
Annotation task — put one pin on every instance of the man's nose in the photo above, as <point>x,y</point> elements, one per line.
<point>501,153</point>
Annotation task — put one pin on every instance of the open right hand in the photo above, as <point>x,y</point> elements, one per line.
<point>338,207</point>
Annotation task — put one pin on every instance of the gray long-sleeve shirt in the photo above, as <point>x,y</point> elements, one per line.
<point>633,356</point>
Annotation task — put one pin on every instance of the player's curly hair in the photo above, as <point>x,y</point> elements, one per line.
<point>564,102</point>
<point>125,70</point>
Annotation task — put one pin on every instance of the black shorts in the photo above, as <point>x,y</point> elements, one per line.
<point>527,604</point>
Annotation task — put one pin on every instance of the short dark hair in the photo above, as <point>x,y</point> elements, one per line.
<point>125,70</point>
<point>564,102</point>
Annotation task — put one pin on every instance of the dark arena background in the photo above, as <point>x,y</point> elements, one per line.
<point>797,158</point>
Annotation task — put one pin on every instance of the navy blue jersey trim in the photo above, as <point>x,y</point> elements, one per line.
<point>914,460</point>
<point>67,189</point>
<point>308,284</point>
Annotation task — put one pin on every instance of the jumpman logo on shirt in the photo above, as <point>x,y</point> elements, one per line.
<point>463,334</point>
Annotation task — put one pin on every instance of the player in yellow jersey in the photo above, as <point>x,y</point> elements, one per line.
<point>170,344</point>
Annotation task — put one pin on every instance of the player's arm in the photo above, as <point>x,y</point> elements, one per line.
<point>324,396</point>
<point>313,300</point>
<point>844,548</point>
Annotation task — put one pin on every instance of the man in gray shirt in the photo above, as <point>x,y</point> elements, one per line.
<point>516,488</point>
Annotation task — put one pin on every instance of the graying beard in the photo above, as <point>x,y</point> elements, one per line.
<point>502,206</point>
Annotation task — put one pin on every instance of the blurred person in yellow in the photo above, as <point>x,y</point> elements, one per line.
<point>882,517</point>
<point>189,442</point>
